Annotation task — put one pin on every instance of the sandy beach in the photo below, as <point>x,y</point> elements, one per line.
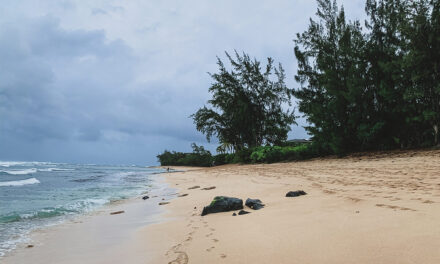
<point>371,208</point>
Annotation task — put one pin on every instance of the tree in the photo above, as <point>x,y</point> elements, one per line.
<point>331,71</point>
<point>387,79</point>
<point>423,65</point>
<point>246,109</point>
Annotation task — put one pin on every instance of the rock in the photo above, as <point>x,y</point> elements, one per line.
<point>209,188</point>
<point>117,212</point>
<point>182,195</point>
<point>234,214</point>
<point>145,197</point>
<point>243,212</point>
<point>223,204</point>
<point>163,203</point>
<point>195,207</point>
<point>295,193</point>
<point>30,246</point>
<point>194,187</point>
<point>255,204</point>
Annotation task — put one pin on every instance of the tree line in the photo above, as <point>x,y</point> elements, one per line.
<point>372,87</point>
<point>362,86</point>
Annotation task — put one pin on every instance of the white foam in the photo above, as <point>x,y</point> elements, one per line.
<point>23,163</point>
<point>55,169</point>
<point>20,183</point>
<point>20,172</point>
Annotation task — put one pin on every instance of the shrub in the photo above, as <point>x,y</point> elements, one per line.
<point>222,159</point>
<point>243,156</point>
<point>270,154</point>
<point>199,157</point>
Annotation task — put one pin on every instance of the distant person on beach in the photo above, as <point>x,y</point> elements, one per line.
<point>168,169</point>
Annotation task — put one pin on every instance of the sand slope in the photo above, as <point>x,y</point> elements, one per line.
<point>380,208</point>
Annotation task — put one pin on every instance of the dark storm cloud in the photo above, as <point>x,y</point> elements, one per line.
<point>51,78</point>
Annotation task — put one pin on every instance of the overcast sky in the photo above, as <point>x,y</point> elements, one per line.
<point>115,81</point>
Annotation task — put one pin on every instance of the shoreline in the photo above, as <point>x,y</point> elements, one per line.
<point>359,209</point>
<point>81,236</point>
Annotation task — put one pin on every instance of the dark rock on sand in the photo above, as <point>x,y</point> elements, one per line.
<point>255,204</point>
<point>243,212</point>
<point>30,246</point>
<point>209,188</point>
<point>194,187</point>
<point>295,193</point>
<point>223,204</point>
<point>145,197</point>
<point>163,203</point>
<point>183,195</point>
<point>117,212</point>
<point>234,214</point>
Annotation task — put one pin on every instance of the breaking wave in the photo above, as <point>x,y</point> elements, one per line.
<point>20,183</point>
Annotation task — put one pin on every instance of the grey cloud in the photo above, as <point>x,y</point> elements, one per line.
<point>84,81</point>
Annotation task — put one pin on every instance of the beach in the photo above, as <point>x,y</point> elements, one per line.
<point>364,208</point>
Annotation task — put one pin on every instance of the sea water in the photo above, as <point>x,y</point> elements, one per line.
<point>39,194</point>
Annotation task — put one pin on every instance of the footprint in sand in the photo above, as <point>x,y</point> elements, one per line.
<point>223,255</point>
<point>328,192</point>
<point>215,240</point>
<point>210,249</point>
<point>354,199</point>
<point>395,207</point>
<point>182,258</point>
<point>210,234</point>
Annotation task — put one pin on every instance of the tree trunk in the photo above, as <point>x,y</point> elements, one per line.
<point>436,143</point>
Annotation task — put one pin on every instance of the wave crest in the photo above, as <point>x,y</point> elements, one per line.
<point>20,172</point>
<point>20,183</point>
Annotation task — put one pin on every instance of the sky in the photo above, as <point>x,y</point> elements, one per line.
<point>114,82</point>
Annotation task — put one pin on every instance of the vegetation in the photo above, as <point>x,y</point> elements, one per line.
<point>267,154</point>
<point>199,157</point>
<point>376,88</point>
<point>246,106</point>
<point>361,88</point>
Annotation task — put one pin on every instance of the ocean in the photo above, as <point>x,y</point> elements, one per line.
<point>40,194</point>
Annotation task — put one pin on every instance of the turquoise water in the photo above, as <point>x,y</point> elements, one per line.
<point>38,194</point>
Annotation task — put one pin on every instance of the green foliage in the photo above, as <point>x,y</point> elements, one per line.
<point>242,156</point>
<point>374,88</point>
<point>270,154</point>
<point>199,157</point>
<point>221,159</point>
<point>246,106</point>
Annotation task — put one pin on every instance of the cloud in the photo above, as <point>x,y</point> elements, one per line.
<point>89,81</point>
